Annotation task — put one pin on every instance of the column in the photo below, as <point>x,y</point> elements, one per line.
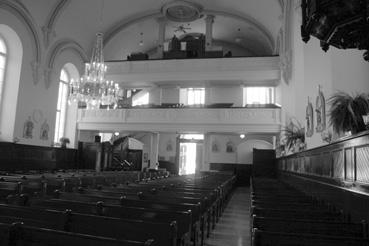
<point>154,153</point>
<point>206,153</point>
<point>162,22</point>
<point>209,20</point>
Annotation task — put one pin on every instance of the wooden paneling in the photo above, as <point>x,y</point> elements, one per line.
<point>338,164</point>
<point>20,157</point>
<point>349,165</point>
<point>362,164</point>
<point>346,160</point>
<point>337,173</point>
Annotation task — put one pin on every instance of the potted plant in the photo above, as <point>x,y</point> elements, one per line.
<point>63,142</point>
<point>294,136</point>
<point>346,112</point>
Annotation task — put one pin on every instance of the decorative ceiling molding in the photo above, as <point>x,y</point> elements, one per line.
<point>19,10</point>
<point>285,42</point>
<point>254,23</point>
<point>111,32</point>
<point>182,11</point>
<point>59,47</point>
<point>124,23</point>
<point>49,28</point>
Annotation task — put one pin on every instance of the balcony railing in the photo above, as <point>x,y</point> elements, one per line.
<point>258,120</point>
<point>252,69</point>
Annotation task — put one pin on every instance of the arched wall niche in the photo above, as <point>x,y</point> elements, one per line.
<point>17,10</point>
<point>72,62</point>
<point>11,83</point>
<point>59,47</point>
<point>245,149</point>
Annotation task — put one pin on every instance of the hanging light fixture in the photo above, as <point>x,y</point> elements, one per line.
<point>93,88</point>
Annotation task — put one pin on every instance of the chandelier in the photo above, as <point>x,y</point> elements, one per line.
<point>92,88</point>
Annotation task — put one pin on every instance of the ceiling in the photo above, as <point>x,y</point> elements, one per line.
<point>249,26</point>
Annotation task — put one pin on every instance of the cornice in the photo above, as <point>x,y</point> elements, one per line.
<point>19,10</point>
<point>57,48</point>
<point>49,27</point>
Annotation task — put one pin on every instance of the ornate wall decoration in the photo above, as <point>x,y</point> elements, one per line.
<point>230,148</point>
<point>309,119</point>
<point>214,146</point>
<point>59,47</point>
<point>44,132</point>
<point>49,28</point>
<point>169,146</point>
<point>28,128</point>
<point>320,111</point>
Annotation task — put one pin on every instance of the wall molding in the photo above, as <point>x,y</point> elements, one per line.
<point>111,32</point>
<point>59,47</point>
<point>20,11</point>
<point>49,28</point>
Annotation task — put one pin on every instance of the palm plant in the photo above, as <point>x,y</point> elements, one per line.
<point>346,112</point>
<point>292,133</point>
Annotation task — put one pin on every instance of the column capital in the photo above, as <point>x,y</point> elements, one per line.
<point>210,18</point>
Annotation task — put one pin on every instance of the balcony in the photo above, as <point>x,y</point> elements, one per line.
<point>251,120</point>
<point>240,69</point>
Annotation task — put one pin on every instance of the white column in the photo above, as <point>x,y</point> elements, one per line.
<point>206,153</point>
<point>209,20</point>
<point>154,153</point>
<point>161,39</point>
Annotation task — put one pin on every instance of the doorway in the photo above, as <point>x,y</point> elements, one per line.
<point>190,153</point>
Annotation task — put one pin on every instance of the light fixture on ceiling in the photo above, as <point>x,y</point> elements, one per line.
<point>242,136</point>
<point>141,43</point>
<point>93,88</point>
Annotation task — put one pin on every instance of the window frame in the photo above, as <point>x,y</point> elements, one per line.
<point>192,91</point>
<point>268,100</point>
<point>3,75</point>
<point>61,106</point>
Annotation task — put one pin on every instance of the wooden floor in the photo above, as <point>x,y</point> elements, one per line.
<point>233,228</point>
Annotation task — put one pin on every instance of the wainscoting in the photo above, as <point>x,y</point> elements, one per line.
<point>21,157</point>
<point>243,171</point>
<point>337,173</point>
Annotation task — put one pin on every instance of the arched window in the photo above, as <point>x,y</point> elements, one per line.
<point>3,60</point>
<point>61,107</point>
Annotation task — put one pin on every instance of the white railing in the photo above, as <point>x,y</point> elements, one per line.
<point>237,68</point>
<point>259,120</point>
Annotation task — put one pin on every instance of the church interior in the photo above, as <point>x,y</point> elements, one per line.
<point>182,122</point>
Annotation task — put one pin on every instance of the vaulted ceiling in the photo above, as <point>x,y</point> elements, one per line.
<point>251,26</point>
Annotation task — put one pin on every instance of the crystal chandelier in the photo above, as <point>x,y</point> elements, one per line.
<point>93,88</point>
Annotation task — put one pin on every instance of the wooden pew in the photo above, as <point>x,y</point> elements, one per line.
<point>310,226</point>
<point>267,238</point>
<point>183,218</point>
<point>197,229</point>
<point>162,233</point>
<point>20,234</point>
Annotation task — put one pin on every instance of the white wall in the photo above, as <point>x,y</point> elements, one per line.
<point>225,95</point>
<point>243,147</point>
<point>167,146</point>
<point>170,95</point>
<point>334,70</point>
<point>245,150</point>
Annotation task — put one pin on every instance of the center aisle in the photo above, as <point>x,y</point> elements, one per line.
<point>233,228</point>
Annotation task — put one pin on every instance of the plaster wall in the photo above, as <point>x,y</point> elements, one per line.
<point>167,146</point>
<point>223,94</point>
<point>335,70</point>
